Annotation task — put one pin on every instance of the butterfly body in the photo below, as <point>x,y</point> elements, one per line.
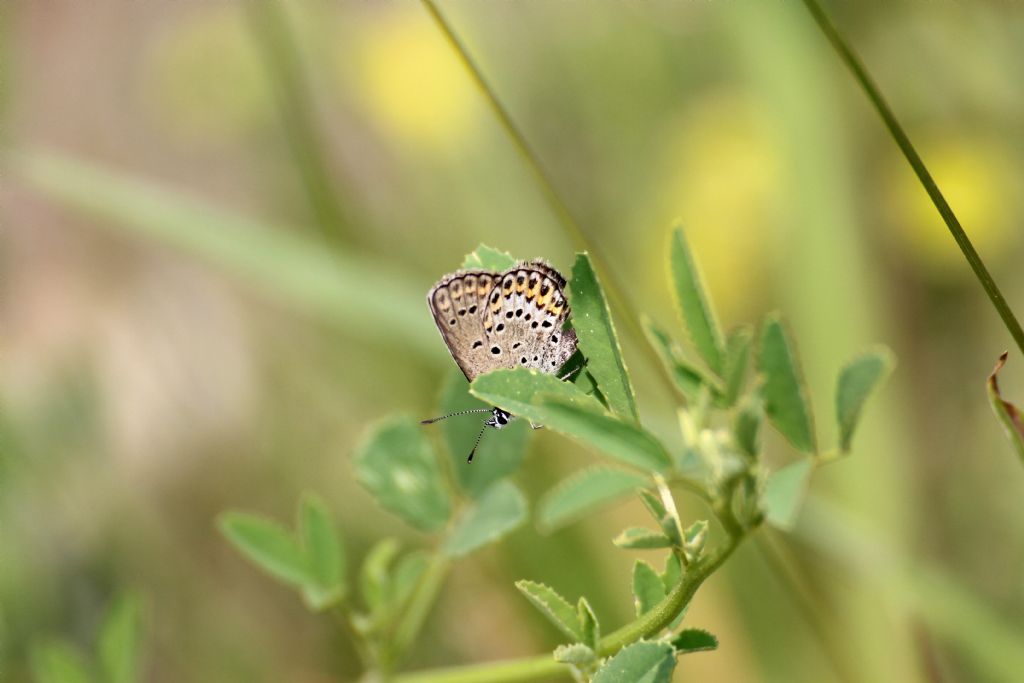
<point>492,320</point>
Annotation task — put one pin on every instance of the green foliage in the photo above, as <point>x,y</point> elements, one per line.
<point>590,629</point>
<point>638,538</point>
<point>648,589</point>
<point>59,662</point>
<point>1009,415</point>
<point>498,511</point>
<point>718,459</point>
<point>119,644</point>
<point>268,545</point>
<point>597,339</point>
<point>504,452</point>
<point>857,380</point>
<point>488,258</point>
<point>694,640</point>
<point>696,312</point>
<point>785,396</point>
<point>311,560</point>
<point>582,492</point>
<point>641,662</point>
<point>118,650</point>
<point>397,465</point>
<point>785,491</point>
<point>685,377</point>
<point>553,606</point>
<point>322,547</point>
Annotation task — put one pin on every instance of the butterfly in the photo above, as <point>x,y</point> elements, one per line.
<point>491,320</point>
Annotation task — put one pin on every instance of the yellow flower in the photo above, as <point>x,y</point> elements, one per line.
<point>412,84</point>
<point>979,180</point>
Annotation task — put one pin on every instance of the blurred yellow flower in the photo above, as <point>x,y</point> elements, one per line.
<point>205,78</point>
<point>412,84</point>
<point>980,181</point>
<point>722,171</point>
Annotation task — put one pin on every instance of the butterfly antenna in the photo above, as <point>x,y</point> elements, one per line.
<point>478,437</point>
<point>461,412</point>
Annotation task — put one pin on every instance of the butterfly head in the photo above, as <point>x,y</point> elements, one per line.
<point>498,419</point>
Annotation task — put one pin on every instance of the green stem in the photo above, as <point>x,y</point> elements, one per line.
<point>418,609</point>
<point>544,667</point>
<point>283,63</point>
<point>539,668</point>
<point>867,84</point>
<point>547,188</point>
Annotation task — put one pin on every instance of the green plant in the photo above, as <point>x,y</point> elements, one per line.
<point>735,383</point>
<point>116,659</point>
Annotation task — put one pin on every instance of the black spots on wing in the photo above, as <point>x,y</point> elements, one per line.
<point>496,350</point>
<point>472,309</point>
<point>462,311</point>
<point>523,360</point>
<point>521,279</point>
<point>527,316</point>
<point>478,343</point>
<point>536,358</point>
<point>554,339</point>
<point>452,321</point>
<point>534,324</point>
<point>519,312</point>
<point>544,289</point>
<point>494,297</point>
<point>509,315</point>
<point>516,346</point>
<point>500,327</point>
<point>546,323</point>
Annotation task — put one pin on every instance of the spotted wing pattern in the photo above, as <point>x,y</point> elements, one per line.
<point>512,319</point>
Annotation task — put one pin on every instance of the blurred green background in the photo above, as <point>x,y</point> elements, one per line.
<point>221,219</point>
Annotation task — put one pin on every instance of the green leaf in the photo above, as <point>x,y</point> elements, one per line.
<point>1009,415</point>
<point>694,640</point>
<point>665,516</point>
<point>648,589</point>
<point>747,426</point>
<point>639,538</point>
<point>576,653</point>
<point>374,576</point>
<point>488,258</point>
<point>266,544</point>
<point>396,464</point>
<point>500,454</point>
<point>686,378</point>
<point>694,538</point>
<point>597,339</point>
<point>642,662</point>
<point>408,572</point>
<point>737,357</point>
<point>673,572</point>
<point>857,380</point>
<point>520,392</point>
<point>120,639</point>
<point>583,492</point>
<point>696,312</point>
<point>324,554</point>
<point>552,605</point>
<point>623,441</point>
<point>590,629</point>
<point>561,406</point>
<point>785,396</point>
<point>784,492</point>
<point>277,260</point>
<point>59,662</point>
<point>498,511</point>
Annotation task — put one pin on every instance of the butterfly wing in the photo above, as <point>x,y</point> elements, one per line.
<point>457,303</point>
<point>524,317</point>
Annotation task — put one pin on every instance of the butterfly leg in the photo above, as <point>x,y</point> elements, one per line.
<point>533,426</point>
<point>574,371</point>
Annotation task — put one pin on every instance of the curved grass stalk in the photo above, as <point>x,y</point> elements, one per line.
<point>867,84</point>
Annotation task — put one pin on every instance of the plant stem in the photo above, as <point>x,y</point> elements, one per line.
<point>283,63</point>
<point>867,84</point>
<point>547,188</point>
<point>545,667</point>
<point>422,600</point>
